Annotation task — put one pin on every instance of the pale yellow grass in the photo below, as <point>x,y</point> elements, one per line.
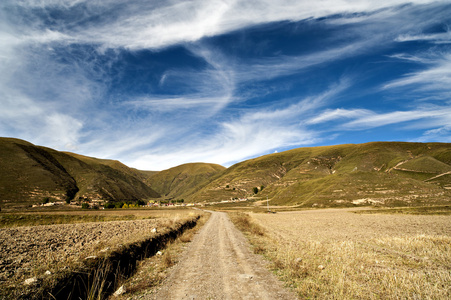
<point>337,254</point>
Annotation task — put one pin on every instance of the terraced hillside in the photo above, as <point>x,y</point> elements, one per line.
<point>382,173</point>
<point>32,173</point>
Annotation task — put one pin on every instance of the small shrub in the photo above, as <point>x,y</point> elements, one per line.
<point>167,259</point>
<point>243,222</point>
<point>109,205</point>
<point>85,205</point>
<point>187,237</point>
<point>259,249</point>
<point>140,203</point>
<point>119,204</point>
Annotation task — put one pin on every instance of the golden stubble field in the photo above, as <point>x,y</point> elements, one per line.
<point>339,254</point>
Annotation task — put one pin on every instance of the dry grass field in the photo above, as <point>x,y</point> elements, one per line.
<point>340,254</point>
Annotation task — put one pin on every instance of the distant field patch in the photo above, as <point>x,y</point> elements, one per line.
<point>422,210</point>
<point>81,216</point>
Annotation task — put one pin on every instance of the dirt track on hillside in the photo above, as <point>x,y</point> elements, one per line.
<point>218,264</point>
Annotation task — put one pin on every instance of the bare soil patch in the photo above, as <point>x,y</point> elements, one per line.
<point>45,251</point>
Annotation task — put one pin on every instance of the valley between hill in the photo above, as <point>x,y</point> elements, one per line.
<point>377,174</point>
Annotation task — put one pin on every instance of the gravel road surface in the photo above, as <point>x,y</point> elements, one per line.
<point>218,264</point>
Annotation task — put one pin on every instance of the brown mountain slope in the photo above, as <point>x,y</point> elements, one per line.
<point>30,173</point>
<point>181,181</point>
<point>384,173</point>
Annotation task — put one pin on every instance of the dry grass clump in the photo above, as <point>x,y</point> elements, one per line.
<point>186,238</point>
<point>334,254</point>
<point>243,222</point>
<point>168,261</point>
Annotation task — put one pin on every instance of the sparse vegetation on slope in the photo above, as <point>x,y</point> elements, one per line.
<point>181,181</point>
<point>32,173</point>
<point>382,173</point>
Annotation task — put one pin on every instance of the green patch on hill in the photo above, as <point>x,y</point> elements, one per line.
<point>425,164</point>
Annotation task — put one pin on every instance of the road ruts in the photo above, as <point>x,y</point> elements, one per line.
<point>218,264</point>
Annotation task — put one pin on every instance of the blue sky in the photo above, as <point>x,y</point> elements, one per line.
<point>156,84</point>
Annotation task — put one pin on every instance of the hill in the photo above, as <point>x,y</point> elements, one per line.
<point>184,180</point>
<point>380,173</point>
<point>32,173</point>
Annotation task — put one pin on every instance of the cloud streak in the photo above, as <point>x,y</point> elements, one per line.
<point>436,76</point>
<point>156,24</point>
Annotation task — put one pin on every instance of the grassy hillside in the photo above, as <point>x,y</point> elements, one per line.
<point>31,173</point>
<point>181,181</point>
<point>383,173</point>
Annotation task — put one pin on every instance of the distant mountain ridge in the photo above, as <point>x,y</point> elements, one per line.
<point>378,173</point>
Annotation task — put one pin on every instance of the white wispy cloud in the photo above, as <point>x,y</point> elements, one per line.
<point>339,114</point>
<point>144,24</point>
<point>233,142</point>
<point>172,104</point>
<point>441,134</point>
<point>438,38</point>
<point>23,117</point>
<point>434,120</point>
<point>435,77</point>
<point>254,132</point>
<point>396,117</point>
<point>270,68</point>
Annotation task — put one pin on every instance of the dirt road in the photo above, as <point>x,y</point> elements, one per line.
<point>218,264</point>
